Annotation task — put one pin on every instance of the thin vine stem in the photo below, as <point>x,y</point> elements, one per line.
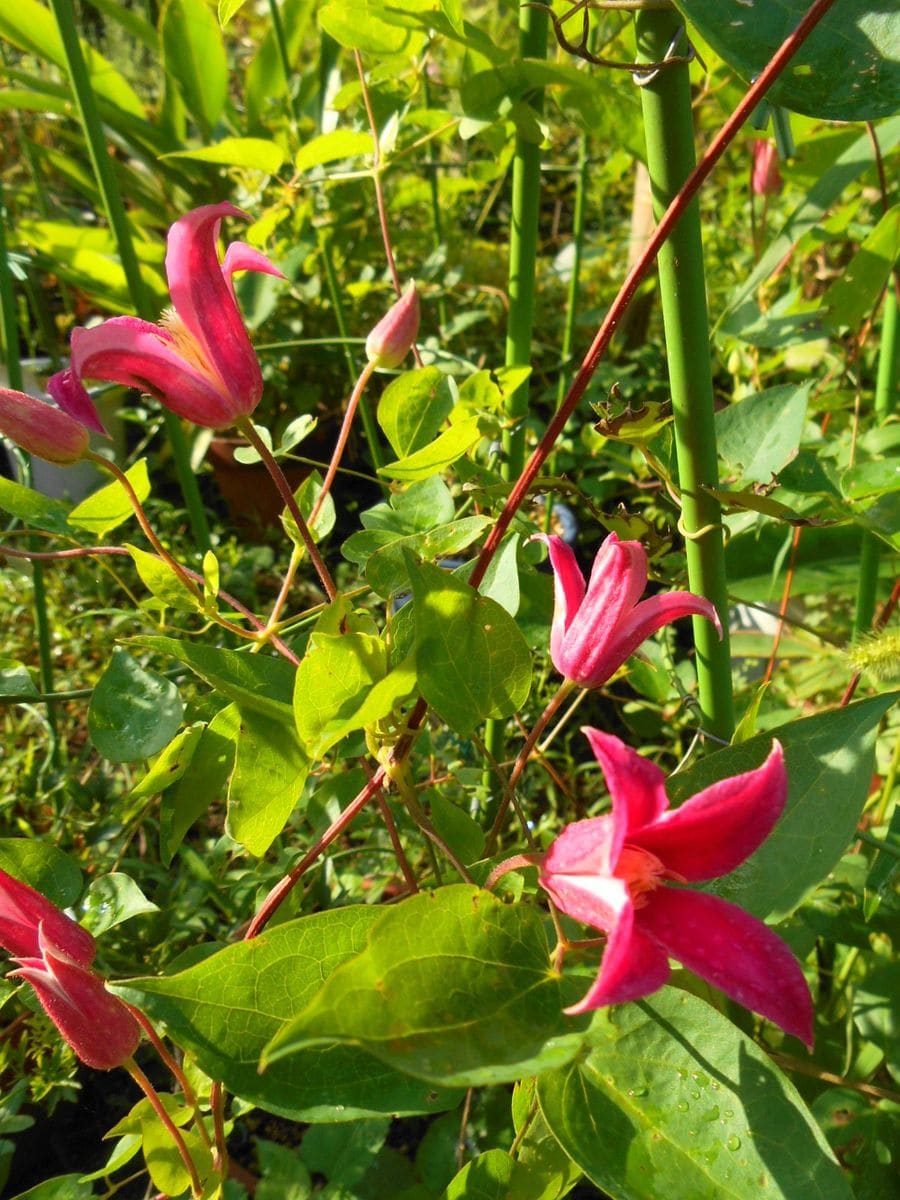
<point>174,1132</point>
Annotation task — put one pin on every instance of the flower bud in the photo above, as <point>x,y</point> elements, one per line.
<point>393,337</point>
<point>23,911</point>
<point>766,178</point>
<point>41,429</point>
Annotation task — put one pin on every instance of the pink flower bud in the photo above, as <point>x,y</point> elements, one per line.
<point>41,429</point>
<point>766,178</point>
<point>94,1022</point>
<point>23,911</point>
<point>393,337</point>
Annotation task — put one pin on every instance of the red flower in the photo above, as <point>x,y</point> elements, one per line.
<point>54,955</point>
<point>596,629</point>
<point>198,361</point>
<point>766,177</point>
<point>611,872</point>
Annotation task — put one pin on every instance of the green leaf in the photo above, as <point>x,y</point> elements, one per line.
<point>194,58</point>
<point>672,1100</point>
<point>501,579</point>
<point>111,506</point>
<point>61,1187</point>
<point>437,456</point>
<point>202,783</point>
<point>501,1019</point>
<point>255,154</point>
<point>848,69</point>
<point>413,408</point>
<point>471,658</point>
<point>871,479</point>
<point>306,496</point>
<point>211,579</point>
<point>362,25</point>
<point>461,832</point>
<point>344,1153</point>
<point>264,685</point>
<point>334,678</point>
<point>494,1175</point>
<point>42,867</point>
<point>31,26</point>
<point>228,1007</point>
<point>875,1011</point>
<point>266,83</point>
<point>332,146</point>
<point>170,765</point>
<point>270,769</point>
<point>112,899</point>
<point>159,578</point>
<point>386,568</point>
<point>134,712</point>
<point>227,9</point>
<point>15,680</point>
<point>453,11</point>
<point>164,1162</point>
<point>829,761</point>
<point>32,508</point>
<point>761,434</point>
<point>854,293</point>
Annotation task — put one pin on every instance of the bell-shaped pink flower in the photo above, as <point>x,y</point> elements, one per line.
<point>595,629</point>
<point>23,911</point>
<point>41,429</point>
<point>198,361</point>
<point>395,334</point>
<point>765,179</point>
<point>94,1022</point>
<point>616,873</point>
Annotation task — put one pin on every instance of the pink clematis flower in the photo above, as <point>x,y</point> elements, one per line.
<point>198,361</point>
<point>595,629</point>
<point>94,1022</point>
<point>23,910</point>
<point>41,429</point>
<point>615,873</point>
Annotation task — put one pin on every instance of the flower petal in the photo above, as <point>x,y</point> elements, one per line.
<point>568,591</point>
<point>23,911</point>
<point>716,830</point>
<point>636,786</point>
<point>650,615</point>
<point>137,354</point>
<point>592,648</point>
<point>69,393</point>
<point>633,966</point>
<point>735,952</point>
<point>203,298</point>
<point>241,257</point>
<point>576,874</point>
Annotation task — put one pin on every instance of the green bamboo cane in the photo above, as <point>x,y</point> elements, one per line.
<point>885,395</point>
<point>118,223</point>
<point>14,375</point>
<point>669,133</point>
<point>526,196</point>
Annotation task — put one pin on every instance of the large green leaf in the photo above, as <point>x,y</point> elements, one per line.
<point>202,782</point>
<point>228,1007</point>
<point>472,659</point>
<point>672,1100</point>
<point>264,685</point>
<point>270,769</point>
<point>453,986</point>
<point>413,408</point>
<point>255,154</point>
<point>759,435</point>
<point>386,567</point>
<point>848,69</point>
<point>111,505</point>
<point>134,712</point>
<point>194,59</point>
<point>495,1175</point>
<point>36,510</point>
<point>829,760</point>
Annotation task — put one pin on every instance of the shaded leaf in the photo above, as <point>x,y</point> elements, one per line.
<point>134,712</point>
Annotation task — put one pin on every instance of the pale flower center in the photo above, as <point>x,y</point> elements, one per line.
<point>185,344</point>
<point>641,871</point>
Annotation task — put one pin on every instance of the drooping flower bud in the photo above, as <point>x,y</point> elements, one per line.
<point>23,911</point>
<point>766,178</point>
<point>394,335</point>
<point>94,1022</point>
<point>41,429</point>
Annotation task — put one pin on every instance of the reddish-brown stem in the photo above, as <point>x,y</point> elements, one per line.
<point>638,273</point>
<point>379,189</point>
<point>341,444</point>
<point>782,608</point>
<point>284,488</point>
<point>174,1132</point>
<point>399,852</point>
<point>181,1079</point>
<point>284,886</point>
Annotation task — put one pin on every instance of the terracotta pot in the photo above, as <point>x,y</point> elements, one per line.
<point>254,503</point>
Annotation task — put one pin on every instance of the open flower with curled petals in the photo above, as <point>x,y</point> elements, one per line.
<point>597,626</point>
<point>623,873</point>
<point>54,954</point>
<point>198,361</point>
